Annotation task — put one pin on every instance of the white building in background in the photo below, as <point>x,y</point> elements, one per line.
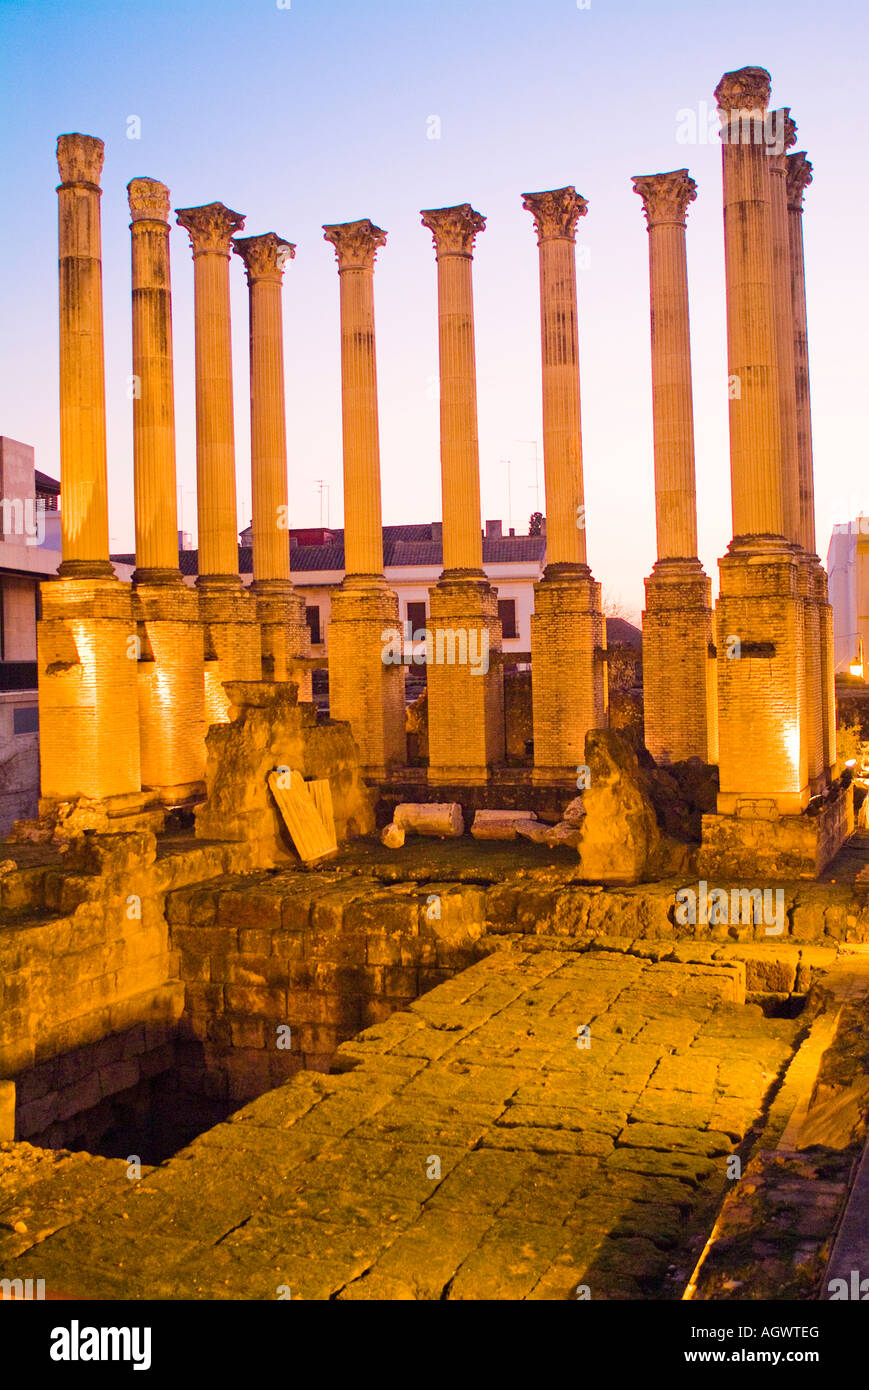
<point>848,571</point>
<point>413,561</point>
<point>29,553</point>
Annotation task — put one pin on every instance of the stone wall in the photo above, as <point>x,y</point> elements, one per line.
<point>90,993</point>
<point>279,973</point>
<point>150,988</point>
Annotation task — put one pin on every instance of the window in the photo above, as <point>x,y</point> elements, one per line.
<point>507,617</point>
<point>25,719</point>
<point>312,618</point>
<point>416,617</point>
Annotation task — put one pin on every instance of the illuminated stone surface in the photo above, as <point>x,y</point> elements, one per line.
<point>557,1164</point>
<point>363,689</point>
<point>568,633</point>
<point>679,691</point>
<point>465,700</point>
<point>761,616</point>
<point>86,649</point>
<point>231,631</point>
<point>268,729</point>
<point>280,611</point>
<point>170,671</point>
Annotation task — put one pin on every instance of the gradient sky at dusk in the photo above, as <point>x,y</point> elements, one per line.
<point>321,112</point>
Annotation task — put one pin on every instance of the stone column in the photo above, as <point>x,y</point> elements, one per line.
<point>465,677</point>
<point>761,614</point>
<point>783,135</point>
<point>366,688</point>
<point>170,667</point>
<point>281,612</point>
<point>798,177</point>
<point>84,514</point>
<point>568,631</point>
<point>679,691</point>
<point>86,638</point>
<point>232,649</point>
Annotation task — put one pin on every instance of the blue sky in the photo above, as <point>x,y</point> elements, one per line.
<point>321,113</point>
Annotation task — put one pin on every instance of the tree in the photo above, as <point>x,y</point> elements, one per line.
<point>535,525</point>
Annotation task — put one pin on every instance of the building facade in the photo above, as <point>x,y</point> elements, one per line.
<point>848,570</point>
<point>29,553</point>
<point>413,561</point>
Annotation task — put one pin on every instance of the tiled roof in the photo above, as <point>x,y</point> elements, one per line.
<point>418,531</point>
<point>399,550</point>
<point>619,632</point>
<point>46,484</point>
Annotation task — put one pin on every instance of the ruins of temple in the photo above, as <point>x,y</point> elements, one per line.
<point>272,1020</point>
<point>745,685</point>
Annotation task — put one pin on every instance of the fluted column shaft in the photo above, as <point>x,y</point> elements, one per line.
<point>356,245</point>
<point>264,258</point>
<point>784,334</point>
<point>154,393</point>
<point>84,515</point>
<point>211,228</point>
<point>454,230</point>
<point>556,213</point>
<point>665,202</point>
<point>799,175</point>
<point>755,431</point>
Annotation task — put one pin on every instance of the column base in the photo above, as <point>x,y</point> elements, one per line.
<point>561,777</point>
<point>823,674</point>
<point>366,690</point>
<point>680,698</point>
<point>87,664</point>
<point>232,640</point>
<point>760,621</point>
<point>285,636</point>
<point>759,847</point>
<point>568,675</point>
<point>465,680</point>
<point>171,685</point>
<point>67,818</point>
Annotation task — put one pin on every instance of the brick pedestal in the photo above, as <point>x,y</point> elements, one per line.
<point>232,641</point>
<point>568,673</point>
<point>171,690</point>
<point>465,697</point>
<point>679,694</point>
<point>761,624</point>
<point>87,660</point>
<point>284,632</point>
<point>363,689</point>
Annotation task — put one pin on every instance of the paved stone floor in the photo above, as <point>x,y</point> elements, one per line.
<point>550,1124</point>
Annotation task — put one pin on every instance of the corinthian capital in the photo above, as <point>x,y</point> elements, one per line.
<point>149,200</point>
<point>454,229</point>
<point>80,159</point>
<point>799,176</point>
<point>747,89</point>
<point>556,213</point>
<point>264,256</point>
<point>781,136</point>
<point>665,196</point>
<point>210,228</point>
<point>356,243</point>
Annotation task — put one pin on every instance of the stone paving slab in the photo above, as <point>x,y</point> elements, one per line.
<point>479,1145</point>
